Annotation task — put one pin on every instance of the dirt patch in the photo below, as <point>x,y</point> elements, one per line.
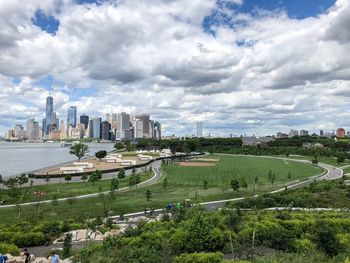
<point>206,160</point>
<point>196,164</point>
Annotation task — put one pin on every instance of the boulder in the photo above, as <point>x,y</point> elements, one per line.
<point>41,260</point>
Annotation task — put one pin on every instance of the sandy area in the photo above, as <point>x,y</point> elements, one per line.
<point>98,165</point>
<point>196,164</point>
<point>206,160</point>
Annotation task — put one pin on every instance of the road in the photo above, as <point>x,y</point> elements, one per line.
<point>154,179</point>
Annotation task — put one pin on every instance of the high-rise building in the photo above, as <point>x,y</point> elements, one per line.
<point>321,133</point>
<point>105,130</point>
<point>54,122</point>
<point>138,128</point>
<point>304,133</point>
<point>72,116</point>
<point>123,125</point>
<point>293,133</point>
<point>151,129</point>
<point>157,130</point>
<point>33,129</point>
<point>96,128</point>
<point>340,133</point>
<point>63,130</point>
<point>145,119</point>
<point>48,116</point>
<point>84,119</point>
<point>90,129</point>
<point>19,132</point>
<point>199,129</point>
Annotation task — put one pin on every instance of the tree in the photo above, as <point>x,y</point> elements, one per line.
<point>1,181</point>
<point>84,177</point>
<point>148,195</point>
<point>22,179</point>
<point>101,154</point>
<point>67,245</point>
<point>95,176</point>
<point>31,183</point>
<point>47,178</point>
<point>114,184</point>
<point>67,177</point>
<point>12,184</point>
<point>256,180</point>
<point>325,238</point>
<point>165,183</point>
<point>243,183</point>
<point>121,173</point>
<point>205,184</point>
<point>289,175</point>
<point>340,158</point>
<point>79,150</point>
<point>54,202</point>
<point>235,185</point>
<point>119,146</point>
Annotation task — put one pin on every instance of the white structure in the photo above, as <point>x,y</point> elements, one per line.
<point>84,165</point>
<point>199,129</point>
<point>138,128</point>
<point>71,170</point>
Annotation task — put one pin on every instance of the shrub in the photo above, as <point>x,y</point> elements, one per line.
<point>200,258</point>
<point>9,249</point>
<point>21,239</point>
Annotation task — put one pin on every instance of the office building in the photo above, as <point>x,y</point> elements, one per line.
<point>293,133</point>
<point>199,129</point>
<point>19,132</point>
<point>123,125</point>
<point>48,116</point>
<point>138,128</point>
<point>54,122</point>
<point>72,116</point>
<point>157,130</point>
<point>151,129</point>
<point>33,130</point>
<point>96,128</point>
<point>105,130</point>
<point>304,133</point>
<point>145,119</point>
<point>321,133</point>
<point>84,119</point>
<point>340,133</point>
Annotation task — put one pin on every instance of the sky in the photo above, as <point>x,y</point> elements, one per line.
<point>239,66</point>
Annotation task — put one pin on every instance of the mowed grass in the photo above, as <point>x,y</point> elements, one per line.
<point>65,189</point>
<point>322,159</point>
<point>183,183</point>
<point>230,167</point>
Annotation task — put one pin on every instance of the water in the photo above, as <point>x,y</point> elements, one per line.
<point>18,157</point>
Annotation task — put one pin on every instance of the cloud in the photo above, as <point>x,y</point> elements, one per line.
<point>245,73</point>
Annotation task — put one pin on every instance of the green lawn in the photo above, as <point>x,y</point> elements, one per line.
<point>326,160</point>
<point>183,182</point>
<point>65,189</point>
<point>346,170</point>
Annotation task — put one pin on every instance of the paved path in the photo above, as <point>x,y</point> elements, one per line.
<point>154,179</point>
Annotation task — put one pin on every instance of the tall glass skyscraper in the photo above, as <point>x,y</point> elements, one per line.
<point>96,128</point>
<point>48,115</point>
<point>72,116</point>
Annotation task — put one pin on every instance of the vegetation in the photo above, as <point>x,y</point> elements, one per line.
<point>101,154</point>
<point>198,236</point>
<point>79,150</point>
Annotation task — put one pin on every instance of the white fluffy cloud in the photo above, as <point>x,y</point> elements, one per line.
<point>268,72</point>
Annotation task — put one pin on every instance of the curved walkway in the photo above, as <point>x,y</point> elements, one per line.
<point>157,175</point>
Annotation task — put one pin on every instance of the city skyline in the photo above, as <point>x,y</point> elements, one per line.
<point>237,66</point>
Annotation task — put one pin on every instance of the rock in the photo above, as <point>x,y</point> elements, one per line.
<point>41,260</point>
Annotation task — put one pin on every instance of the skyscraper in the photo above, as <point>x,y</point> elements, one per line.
<point>199,129</point>
<point>123,125</point>
<point>72,116</point>
<point>84,119</point>
<point>48,115</point>
<point>96,128</point>
<point>157,130</point>
<point>33,129</point>
<point>145,119</point>
<point>105,130</point>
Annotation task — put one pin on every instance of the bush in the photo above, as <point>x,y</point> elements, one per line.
<point>29,239</point>
<point>200,258</point>
<point>9,249</point>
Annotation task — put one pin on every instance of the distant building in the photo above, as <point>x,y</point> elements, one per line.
<point>157,130</point>
<point>138,128</point>
<point>19,132</point>
<point>96,128</point>
<point>199,129</point>
<point>340,133</point>
<point>304,133</point>
<point>48,116</point>
<point>280,135</point>
<point>105,130</point>
<point>146,123</point>
<point>124,126</point>
<point>72,116</point>
<point>84,119</point>
<point>33,130</point>
<point>321,133</point>
<point>293,133</point>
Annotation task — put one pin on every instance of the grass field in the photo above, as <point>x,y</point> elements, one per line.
<point>65,189</point>
<point>326,160</point>
<point>183,182</point>
<point>346,170</point>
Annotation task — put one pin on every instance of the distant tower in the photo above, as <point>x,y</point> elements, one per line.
<point>199,129</point>
<point>48,115</point>
<point>72,116</point>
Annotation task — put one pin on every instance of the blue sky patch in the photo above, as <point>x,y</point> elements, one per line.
<point>46,22</point>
